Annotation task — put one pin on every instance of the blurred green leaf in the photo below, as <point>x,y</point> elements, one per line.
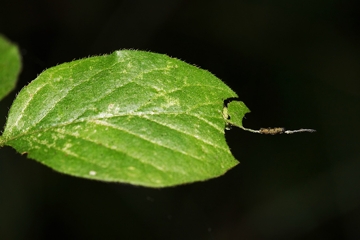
<point>10,65</point>
<point>132,116</point>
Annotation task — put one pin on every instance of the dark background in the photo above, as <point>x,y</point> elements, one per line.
<point>294,63</point>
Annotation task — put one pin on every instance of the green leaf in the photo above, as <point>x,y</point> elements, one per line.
<point>10,66</point>
<point>234,112</point>
<point>132,116</point>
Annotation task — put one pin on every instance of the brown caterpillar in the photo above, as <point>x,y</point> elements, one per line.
<point>272,131</point>
<point>277,130</point>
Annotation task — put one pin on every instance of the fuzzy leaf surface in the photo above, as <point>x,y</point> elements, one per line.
<point>131,116</point>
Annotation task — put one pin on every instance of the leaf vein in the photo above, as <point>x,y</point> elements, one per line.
<point>183,132</point>
<point>112,148</point>
<point>103,123</point>
<point>29,99</point>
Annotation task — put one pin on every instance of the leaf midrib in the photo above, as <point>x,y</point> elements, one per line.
<point>50,128</point>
